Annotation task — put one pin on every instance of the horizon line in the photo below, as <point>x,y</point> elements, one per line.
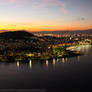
<point>42,31</point>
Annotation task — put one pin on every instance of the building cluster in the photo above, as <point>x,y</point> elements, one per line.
<point>40,45</point>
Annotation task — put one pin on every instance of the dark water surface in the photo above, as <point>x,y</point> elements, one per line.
<point>63,74</point>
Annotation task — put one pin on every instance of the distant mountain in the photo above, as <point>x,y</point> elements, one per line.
<point>16,35</point>
<point>89,31</point>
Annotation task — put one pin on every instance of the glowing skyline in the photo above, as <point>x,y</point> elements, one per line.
<point>45,15</point>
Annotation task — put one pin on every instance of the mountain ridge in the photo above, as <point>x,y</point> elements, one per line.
<point>66,31</point>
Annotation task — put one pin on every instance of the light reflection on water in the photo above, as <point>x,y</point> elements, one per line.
<point>63,60</point>
<point>55,62</point>
<point>78,58</point>
<point>18,64</point>
<point>30,64</point>
<point>84,48</point>
<point>46,73</point>
<point>48,63</point>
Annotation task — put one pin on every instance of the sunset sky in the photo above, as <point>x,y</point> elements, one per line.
<point>45,15</point>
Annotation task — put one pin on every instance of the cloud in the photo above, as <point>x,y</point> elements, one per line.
<point>49,3</point>
<point>79,19</point>
<point>37,3</point>
<point>6,2</point>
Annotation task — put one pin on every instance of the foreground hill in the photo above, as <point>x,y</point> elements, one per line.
<point>16,35</point>
<point>21,41</point>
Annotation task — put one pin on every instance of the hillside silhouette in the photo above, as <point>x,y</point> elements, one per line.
<point>16,35</point>
<point>21,41</point>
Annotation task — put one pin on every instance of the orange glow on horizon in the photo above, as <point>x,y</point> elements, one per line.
<point>44,29</point>
<point>40,27</point>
